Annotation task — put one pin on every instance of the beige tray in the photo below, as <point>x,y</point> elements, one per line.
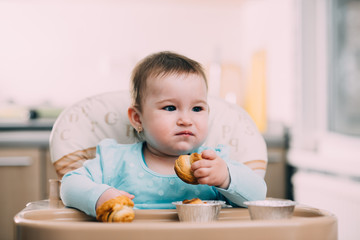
<point>41,222</point>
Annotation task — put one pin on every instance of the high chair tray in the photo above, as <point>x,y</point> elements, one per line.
<point>43,222</point>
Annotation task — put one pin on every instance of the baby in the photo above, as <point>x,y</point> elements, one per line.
<point>169,113</point>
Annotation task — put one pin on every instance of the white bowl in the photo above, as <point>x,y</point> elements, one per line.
<point>209,211</point>
<point>271,209</point>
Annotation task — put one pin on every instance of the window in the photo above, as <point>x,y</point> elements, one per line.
<point>328,78</point>
<point>344,80</point>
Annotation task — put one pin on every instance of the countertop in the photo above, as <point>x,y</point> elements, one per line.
<point>32,133</point>
<point>30,125</point>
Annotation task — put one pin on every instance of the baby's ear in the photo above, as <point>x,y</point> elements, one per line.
<point>134,117</point>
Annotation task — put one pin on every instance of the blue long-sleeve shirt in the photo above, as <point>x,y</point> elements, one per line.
<point>122,166</point>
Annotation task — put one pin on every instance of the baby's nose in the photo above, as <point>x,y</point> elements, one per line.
<point>184,119</point>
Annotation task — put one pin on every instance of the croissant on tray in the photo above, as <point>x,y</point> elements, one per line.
<point>119,209</point>
<point>193,201</point>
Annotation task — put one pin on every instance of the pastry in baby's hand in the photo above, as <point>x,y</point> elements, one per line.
<point>119,209</point>
<point>193,201</point>
<point>183,167</point>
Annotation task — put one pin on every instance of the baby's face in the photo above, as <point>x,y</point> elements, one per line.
<point>175,113</point>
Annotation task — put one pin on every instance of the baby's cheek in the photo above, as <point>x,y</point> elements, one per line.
<point>158,126</point>
<point>156,134</point>
<point>203,130</point>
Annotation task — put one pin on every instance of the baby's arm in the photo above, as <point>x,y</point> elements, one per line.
<point>81,191</point>
<point>110,194</point>
<point>211,170</point>
<point>235,181</point>
<point>245,185</point>
<point>85,189</point>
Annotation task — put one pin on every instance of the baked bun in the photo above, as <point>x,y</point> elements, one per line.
<point>183,167</point>
<point>119,209</point>
<point>193,201</point>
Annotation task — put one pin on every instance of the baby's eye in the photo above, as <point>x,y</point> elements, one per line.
<point>169,108</point>
<point>197,109</point>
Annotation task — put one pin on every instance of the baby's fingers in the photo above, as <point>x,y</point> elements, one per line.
<point>201,172</point>
<point>208,154</point>
<point>200,164</point>
<point>204,180</point>
<point>126,194</point>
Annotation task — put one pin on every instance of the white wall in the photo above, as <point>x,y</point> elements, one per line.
<point>337,195</point>
<point>62,51</point>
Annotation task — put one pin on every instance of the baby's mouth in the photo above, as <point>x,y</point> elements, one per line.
<point>185,133</point>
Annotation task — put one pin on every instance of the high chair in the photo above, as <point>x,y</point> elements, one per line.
<point>80,127</point>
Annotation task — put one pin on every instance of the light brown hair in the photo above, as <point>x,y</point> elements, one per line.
<point>159,65</point>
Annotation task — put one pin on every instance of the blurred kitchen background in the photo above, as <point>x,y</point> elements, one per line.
<point>294,65</point>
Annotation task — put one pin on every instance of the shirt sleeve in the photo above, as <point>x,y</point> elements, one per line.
<point>82,187</point>
<point>245,184</point>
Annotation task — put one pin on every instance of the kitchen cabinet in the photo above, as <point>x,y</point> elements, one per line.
<point>275,176</point>
<point>24,173</point>
<point>20,182</point>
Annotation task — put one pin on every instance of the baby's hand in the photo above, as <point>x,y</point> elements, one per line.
<point>211,170</point>
<point>110,194</point>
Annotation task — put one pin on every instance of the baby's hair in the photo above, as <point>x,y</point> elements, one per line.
<point>159,65</point>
